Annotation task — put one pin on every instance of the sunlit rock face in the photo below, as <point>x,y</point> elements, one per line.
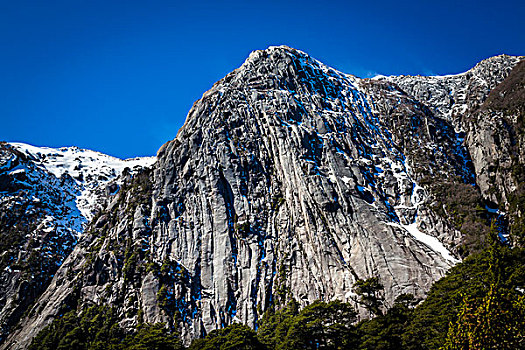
<point>289,179</point>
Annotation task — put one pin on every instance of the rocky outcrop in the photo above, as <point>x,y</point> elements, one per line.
<point>485,105</point>
<point>496,140</point>
<point>288,180</point>
<point>286,177</point>
<point>452,97</point>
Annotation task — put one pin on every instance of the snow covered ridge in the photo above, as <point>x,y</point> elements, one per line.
<point>89,169</point>
<point>452,95</point>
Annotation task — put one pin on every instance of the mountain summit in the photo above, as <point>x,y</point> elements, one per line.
<point>289,179</point>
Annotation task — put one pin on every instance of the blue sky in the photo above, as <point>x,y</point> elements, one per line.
<point>120,76</point>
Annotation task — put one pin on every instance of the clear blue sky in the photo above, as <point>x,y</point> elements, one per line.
<point>120,76</point>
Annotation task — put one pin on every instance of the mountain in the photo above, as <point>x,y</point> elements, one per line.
<point>290,180</point>
<point>47,195</point>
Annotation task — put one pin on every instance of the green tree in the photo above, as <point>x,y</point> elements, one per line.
<point>274,325</point>
<point>322,326</point>
<point>385,332</point>
<point>233,337</point>
<point>498,322</point>
<point>94,326</point>
<point>153,337</point>
<point>370,293</point>
<point>97,328</point>
<point>494,322</point>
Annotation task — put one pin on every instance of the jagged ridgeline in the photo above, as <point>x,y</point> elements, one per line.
<point>293,181</point>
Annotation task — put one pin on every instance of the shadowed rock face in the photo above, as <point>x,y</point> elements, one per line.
<point>487,105</point>
<point>288,179</point>
<point>37,231</point>
<point>496,140</point>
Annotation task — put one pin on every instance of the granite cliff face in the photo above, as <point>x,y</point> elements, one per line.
<point>496,140</point>
<point>288,180</point>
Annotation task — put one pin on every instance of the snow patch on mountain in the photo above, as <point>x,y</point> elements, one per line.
<point>432,242</point>
<point>89,170</point>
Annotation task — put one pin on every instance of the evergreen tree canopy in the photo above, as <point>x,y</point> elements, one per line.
<point>233,337</point>
<point>370,292</point>
<point>320,325</point>
<point>97,328</point>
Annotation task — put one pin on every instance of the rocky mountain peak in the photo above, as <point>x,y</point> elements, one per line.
<point>273,54</point>
<point>290,175</point>
<point>499,62</point>
<point>88,169</point>
<point>277,67</point>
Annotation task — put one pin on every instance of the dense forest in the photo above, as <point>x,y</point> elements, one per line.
<point>479,304</point>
